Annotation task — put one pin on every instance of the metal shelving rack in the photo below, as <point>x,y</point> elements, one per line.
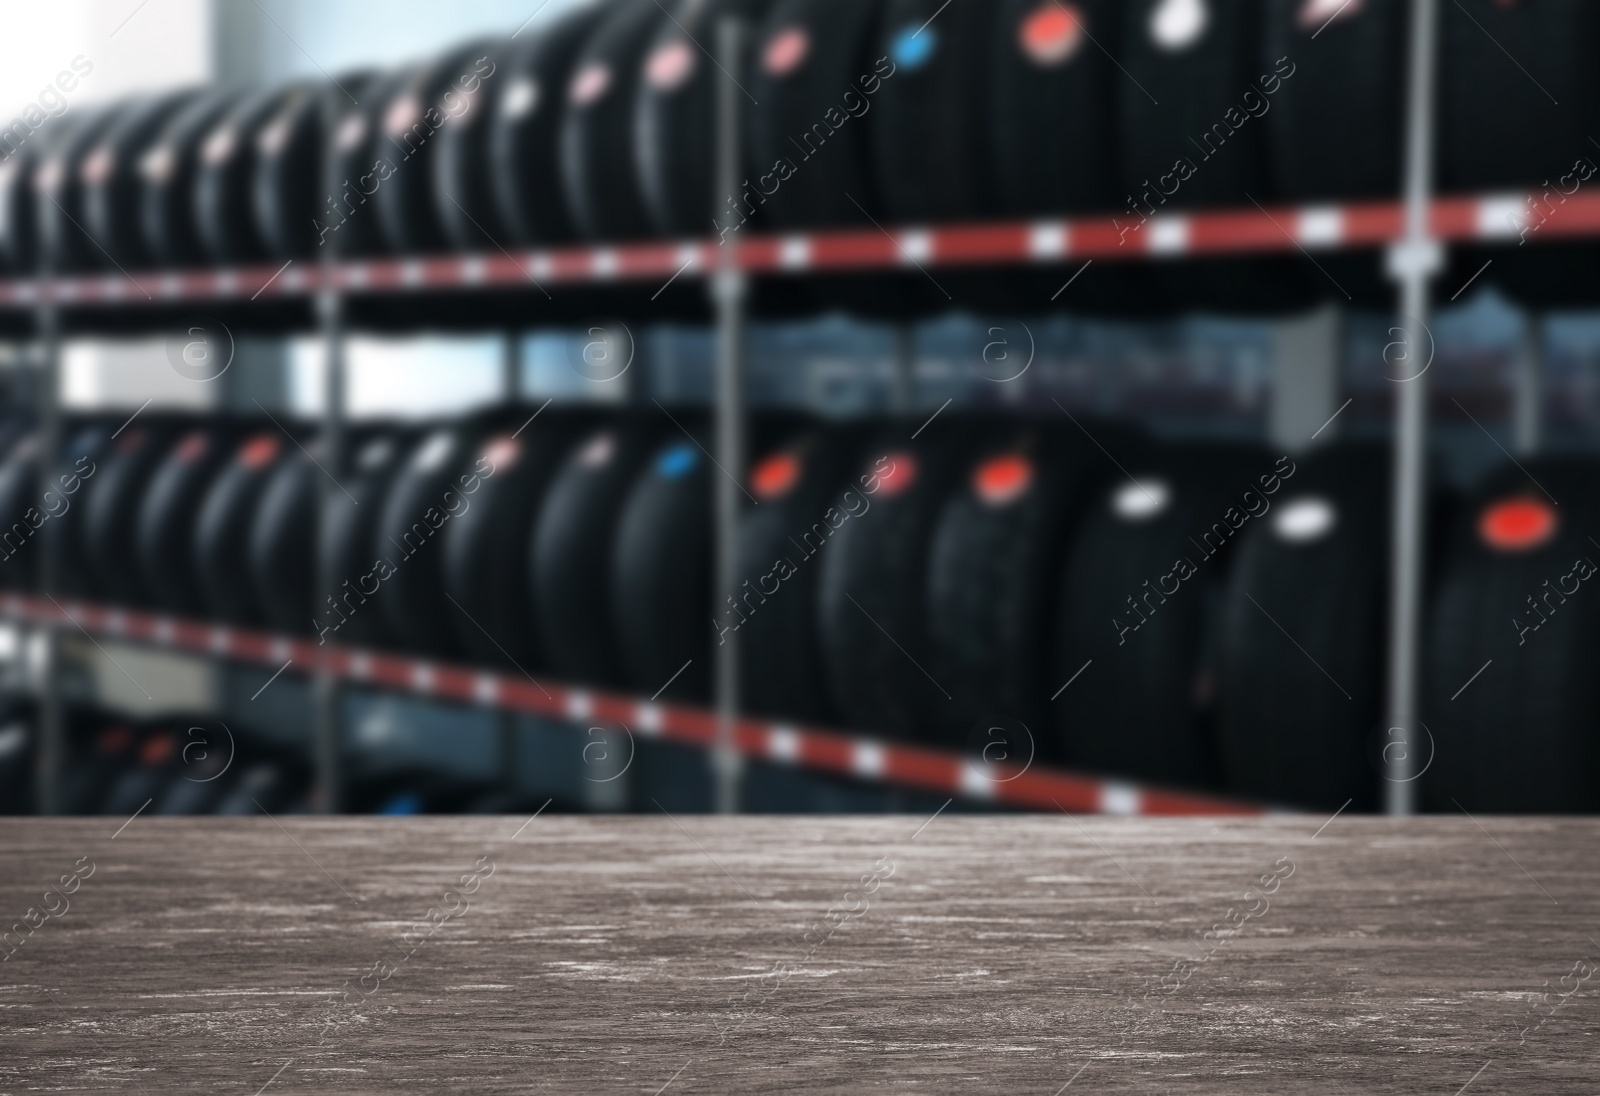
<point>1415,230</point>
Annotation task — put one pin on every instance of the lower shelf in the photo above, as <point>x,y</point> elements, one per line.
<point>838,752</point>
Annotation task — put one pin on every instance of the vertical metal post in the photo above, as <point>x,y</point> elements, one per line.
<point>728,290</point>
<point>1414,261</point>
<point>329,727</point>
<point>51,745</point>
<point>507,722</point>
<point>1527,416</point>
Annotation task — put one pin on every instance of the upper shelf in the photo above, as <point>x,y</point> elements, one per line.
<point>1497,218</point>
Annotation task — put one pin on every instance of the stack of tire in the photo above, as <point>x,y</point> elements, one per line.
<point>599,124</point>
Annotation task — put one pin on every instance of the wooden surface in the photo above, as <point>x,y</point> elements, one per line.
<point>623,955</point>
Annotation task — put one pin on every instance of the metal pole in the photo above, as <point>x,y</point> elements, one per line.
<point>329,725</point>
<point>728,290</point>
<point>51,717</point>
<point>1414,261</point>
<point>1526,412</point>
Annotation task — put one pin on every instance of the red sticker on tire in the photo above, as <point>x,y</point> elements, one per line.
<point>1517,525</point>
<point>776,476</point>
<point>1002,480</point>
<point>1051,33</point>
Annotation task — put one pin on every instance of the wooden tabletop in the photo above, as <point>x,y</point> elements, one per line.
<point>757,954</point>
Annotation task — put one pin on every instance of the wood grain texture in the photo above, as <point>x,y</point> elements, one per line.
<point>1003,954</point>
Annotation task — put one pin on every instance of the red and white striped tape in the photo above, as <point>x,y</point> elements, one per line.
<point>1253,230</point>
<point>861,757</point>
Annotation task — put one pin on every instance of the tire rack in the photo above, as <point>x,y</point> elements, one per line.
<point>1413,229</point>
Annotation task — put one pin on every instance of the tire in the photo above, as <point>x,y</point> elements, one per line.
<point>570,556</point>
<point>406,202</point>
<point>110,179</point>
<point>1196,58</point>
<point>597,145</point>
<point>18,229</point>
<point>222,528</point>
<point>349,222</point>
<point>1334,128</point>
<point>806,494</point>
<point>1521,737</point>
<point>485,548</point>
<point>995,557</point>
<point>1055,143</point>
<point>289,189</point>
<point>64,245</point>
<point>1133,650</point>
<point>661,575</point>
<point>283,543</point>
<point>416,508</point>
<point>224,193</point>
<point>525,133</point>
<point>164,534</point>
<point>1498,127</point>
<point>168,172</point>
<point>63,535</point>
<point>873,582</point>
<point>354,611</point>
<point>931,140</point>
<point>19,494</point>
<point>96,761</point>
<point>808,54</point>
<point>1304,632</point>
<point>675,117</point>
<point>113,502</point>
<point>463,182</point>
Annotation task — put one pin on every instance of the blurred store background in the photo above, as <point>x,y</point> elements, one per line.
<point>1078,521</point>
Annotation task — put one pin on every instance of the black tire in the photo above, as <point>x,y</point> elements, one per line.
<point>110,179</point>
<point>1303,632</point>
<point>1133,649</point>
<point>463,181</point>
<point>21,515</point>
<point>164,535</point>
<point>224,193</point>
<point>283,542</point>
<point>495,617</point>
<point>63,535</point>
<point>808,54</point>
<point>661,575</point>
<point>1196,58</point>
<point>1055,143</point>
<point>807,495</point>
<point>64,244</point>
<point>407,203</point>
<point>222,528</point>
<point>675,118</point>
<point>353,611</point>
<point>18,227</point>
<point>424,489</point>
<point>1500,127</point>
<point>167,175</point>
<point>289,191</point>
<point>362,163</point>
<point>597,145</point>
<point>525,133</point>
<point>1521,737</point>
<point>114,499</point>
<point>1334,129</point>
<point>995,558</point>
<point>97,759</point>
<point>931,122</point>
<point>876,570</point>
<point>570,556</point>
